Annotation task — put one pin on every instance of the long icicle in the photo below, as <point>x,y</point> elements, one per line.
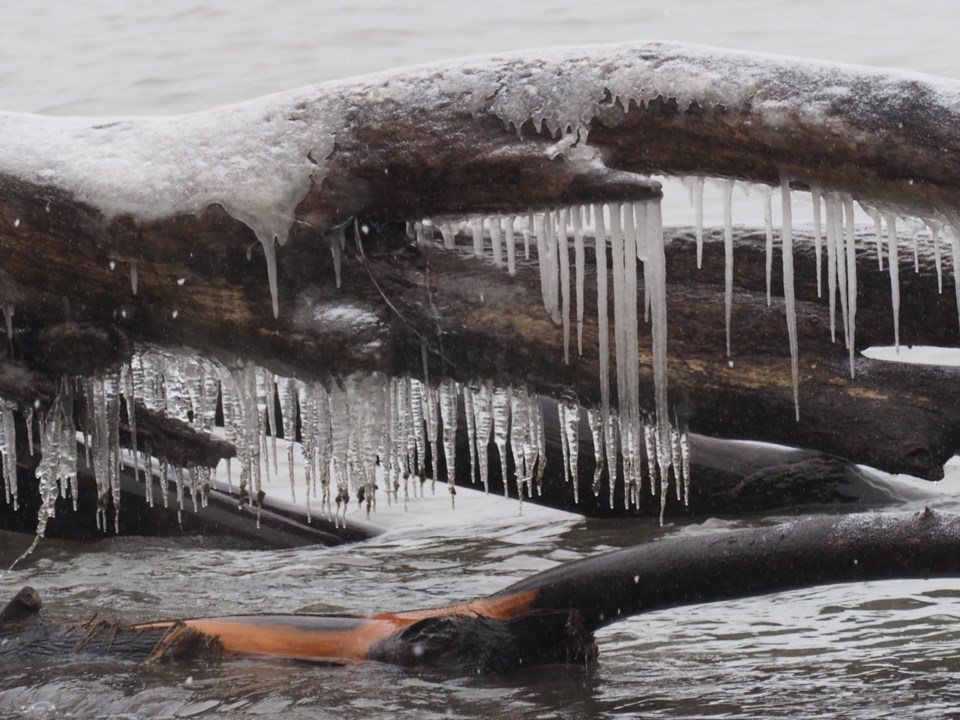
<point>831,266</point>
<point>789,298</point>
<point>841,265</point>
<point>728,256</point>
<point>894,264</point>
<point>698,206</point>
<point>603,342</point>
<point>817,234</point>
<point>768,230</point>
<point>580,262</point>
<point>851,280</point>
<point>563,253</point>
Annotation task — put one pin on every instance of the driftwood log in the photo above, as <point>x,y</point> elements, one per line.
<point>505,134</point>
<point>548,618</point>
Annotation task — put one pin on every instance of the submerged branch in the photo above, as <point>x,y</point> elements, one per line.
<point>548,618</point>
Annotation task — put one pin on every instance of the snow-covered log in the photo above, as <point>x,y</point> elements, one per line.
<point>303,232</point>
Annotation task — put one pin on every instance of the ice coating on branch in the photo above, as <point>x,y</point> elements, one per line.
<point>254,159</point>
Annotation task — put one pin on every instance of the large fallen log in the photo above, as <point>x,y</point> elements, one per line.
<point>143,230</point>
<point>548,618</point>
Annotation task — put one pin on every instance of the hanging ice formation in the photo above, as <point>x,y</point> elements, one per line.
<point>383,435</point>
<point>633,232</point>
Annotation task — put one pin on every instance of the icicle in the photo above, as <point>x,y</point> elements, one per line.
<point>768,223</point>
<point>698,206</point>
<point>540,228</point>
<point>508,236</point>
<point>620,315</point>
<point>519,438</point>
<point>935,228</point>
<point>676,463</point>
<point>448,416</point>
<point>788,292</point>
<point>841,266</point>
<point>851,280</point>
<point>432,418</point>
<point>337,243</point>
<point>878,234</point>
<point>685,462</point>
<point>817,235</point>
<point>501,430</point>
<point>610,443</point>
<point>449,233</point>
<point>482,400</point>
<point>580,262</point>
<point>830,209</point>
<point>603,328</point>
<point>563,249</point>
<point>129,400</point>
<point>148,475</point>
<point>531,226</point>
<point>728,256</point>
<point>8,451</point>
<point>417,420</point>
<point>470,413</point>
<point>955,256</point>
<point>595,420</point>
<point>133,277</point>
<point>894,262</point>
<point>29,423</point>
<point>476,228</point>
<point>538,430</point>
<point>496,241</point>
<point>570,430</point>
<point>658,293</point>
<point>271,407</point>
<point>268,242</point>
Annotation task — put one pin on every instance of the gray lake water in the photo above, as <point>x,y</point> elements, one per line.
<point>858,651</point>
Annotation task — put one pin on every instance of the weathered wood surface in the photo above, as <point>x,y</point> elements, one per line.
<point>401,154</point>
<point>548,618</point>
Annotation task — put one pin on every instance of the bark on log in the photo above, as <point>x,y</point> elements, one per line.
<point>550,617</point>
<point>427,142</point>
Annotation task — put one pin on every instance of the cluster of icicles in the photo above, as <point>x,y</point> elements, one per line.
<point>625,228</point>
<point>377,433</point>
<point>634,233</point>
<point>363,432</point>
